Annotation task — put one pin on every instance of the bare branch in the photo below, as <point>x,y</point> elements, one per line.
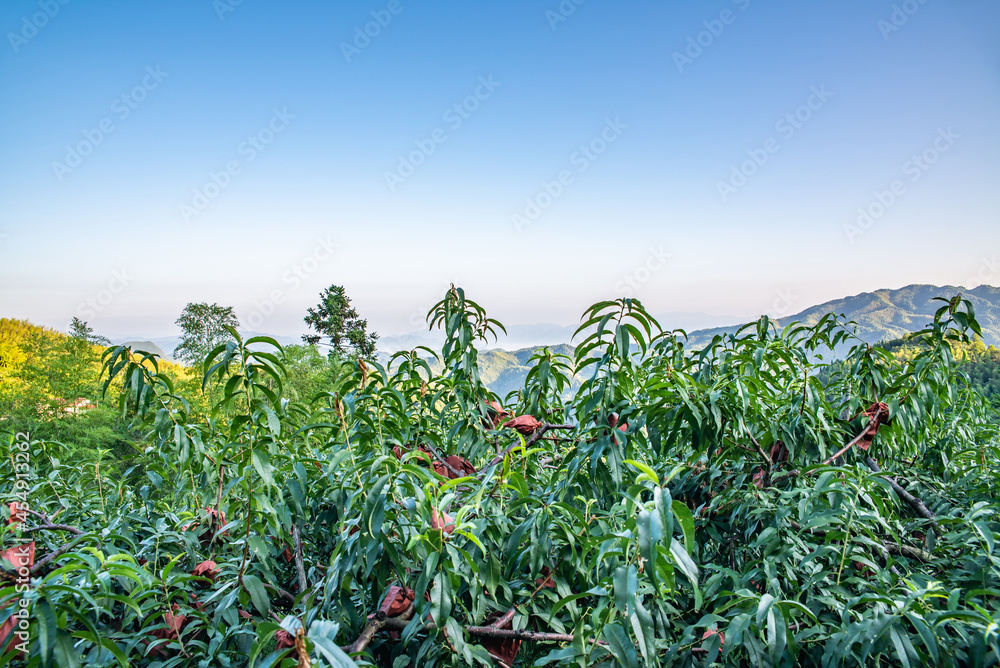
<point>760,449</point>
<point>48,524</point>
<point>374,625</point>
<point>53,527</point>
<point>300,567</point>
<point>908,551</point>
<point>916,504</point>
<point>55,554</point>
<point>531,441</point>
<point>873,420</point>
<point>440,458</point>
<point>397,624</point>
<point>786,476</point>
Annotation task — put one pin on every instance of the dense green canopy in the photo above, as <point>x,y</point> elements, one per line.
<point>754,502</point>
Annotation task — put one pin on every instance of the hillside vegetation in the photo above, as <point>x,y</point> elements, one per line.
<point>49,387</point>
<point>977,361</point>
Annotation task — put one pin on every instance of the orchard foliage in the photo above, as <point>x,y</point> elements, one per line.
<point>679,508</point>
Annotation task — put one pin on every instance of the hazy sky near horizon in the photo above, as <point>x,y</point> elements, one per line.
<point>726,157</point>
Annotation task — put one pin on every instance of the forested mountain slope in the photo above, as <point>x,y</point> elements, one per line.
<point>884,315</point>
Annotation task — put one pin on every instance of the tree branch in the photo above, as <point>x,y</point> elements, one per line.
<point>531,441</point>
<point>458,474</point>
<point>786,476</point>
<point>873,420</point>
<point>55,554</point>
<point>218,498</point>
<point>760,449</point>
<point>53,527</point>
<point>907,551</point>
<point>300,567</point>
<point>397,624</point>
<point>374,625</point>
<point>916,504</point>
<point>280,592</point>
<point>48,524</point>
<point>380,621</point>
<point>829,460</point>
<point>502,621</point>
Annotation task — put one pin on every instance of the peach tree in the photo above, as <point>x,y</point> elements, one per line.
<point>780,496</point>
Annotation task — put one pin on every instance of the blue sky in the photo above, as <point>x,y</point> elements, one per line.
<point>251,159</point>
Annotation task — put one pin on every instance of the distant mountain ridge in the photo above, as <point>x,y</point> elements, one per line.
<point>884,315</point>
<point>890,314</point>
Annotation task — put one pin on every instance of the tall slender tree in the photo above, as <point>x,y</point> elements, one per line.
<point>337,321</point>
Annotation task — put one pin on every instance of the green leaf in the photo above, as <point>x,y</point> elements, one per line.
<point>375,507</point>
<point>107,644</point>
<point>65,654</point>
<point>48,629</point>
<point>647,472</point>
<point>262,464</point>
<point>273,423</point>
<point>569,599</point>
<point>259,546</point>
<point>620,645</point>
<point>650,533</point>
<point>263,339</point>
<point>688,567</point>
<point>926,635</point>
<point>897,642</point>
<point>323,635</point>
<point>626,584</point>
<point>763,606</point>
<point>644,630</point>
<point>987,534</point>
<point>332,653</point>
<point>258,595</point>
<point>686,520</point>
<point>265,631</point>
<point>492,574</point>
<point>662,503</point>
<point>441,599</point>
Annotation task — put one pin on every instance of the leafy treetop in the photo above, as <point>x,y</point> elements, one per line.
<point>203,327</point>
<point>78,329</point>
<point>337,321</point>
